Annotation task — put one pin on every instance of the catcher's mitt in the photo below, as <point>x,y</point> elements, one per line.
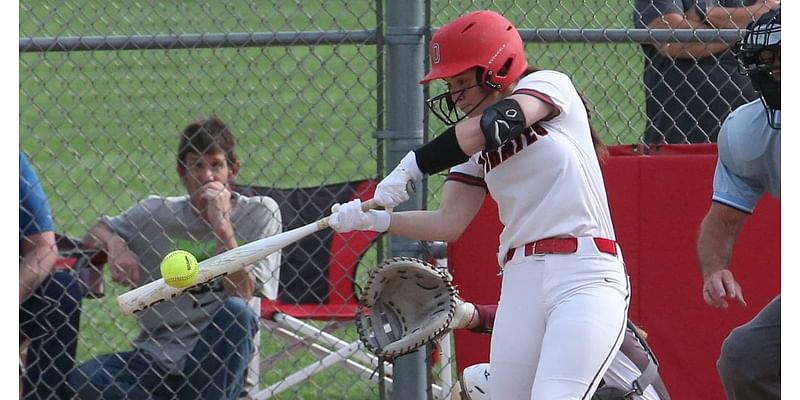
<point>406,303</point>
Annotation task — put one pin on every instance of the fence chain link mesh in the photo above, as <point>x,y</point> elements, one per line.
<point>106,88</point>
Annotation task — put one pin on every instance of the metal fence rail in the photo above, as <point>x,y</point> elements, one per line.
<point>261,39</point>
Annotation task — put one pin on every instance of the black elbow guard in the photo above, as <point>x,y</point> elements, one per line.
<point>440,153</point>
<point>501,122</point>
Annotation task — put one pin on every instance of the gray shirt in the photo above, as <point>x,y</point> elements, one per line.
<point>687,99</point>
<point>749,158</point>
<point>158,225</point>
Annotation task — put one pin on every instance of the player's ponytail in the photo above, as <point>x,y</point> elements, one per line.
<point>599,147</point>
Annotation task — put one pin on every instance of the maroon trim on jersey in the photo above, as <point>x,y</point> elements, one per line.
<point>543,97</point>
<point>466,179</point>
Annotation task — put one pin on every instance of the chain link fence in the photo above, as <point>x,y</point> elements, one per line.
<point>106,88</point>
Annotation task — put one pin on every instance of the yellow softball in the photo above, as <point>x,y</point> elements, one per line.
<point>179,269</point>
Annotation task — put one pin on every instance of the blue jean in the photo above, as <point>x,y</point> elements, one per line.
<point>51,319</point>
<point>215,368</point>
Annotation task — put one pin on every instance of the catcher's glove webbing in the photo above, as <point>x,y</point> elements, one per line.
<point>405,304</point>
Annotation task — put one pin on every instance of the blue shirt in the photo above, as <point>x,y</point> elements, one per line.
<point>749,158</point>
<point>34,209</point>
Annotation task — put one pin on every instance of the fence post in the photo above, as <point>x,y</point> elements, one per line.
<point>404,131</point>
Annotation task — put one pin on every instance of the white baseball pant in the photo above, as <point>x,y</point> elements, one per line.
<point>560,322</point>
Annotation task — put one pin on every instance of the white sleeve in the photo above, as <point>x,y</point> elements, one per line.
<point>552,87</point>
<point>470,172</point>
<point>470,167</point>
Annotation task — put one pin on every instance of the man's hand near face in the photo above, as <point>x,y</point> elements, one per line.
<point>217,201</point>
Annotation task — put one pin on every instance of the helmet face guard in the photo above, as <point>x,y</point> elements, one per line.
<point>484,40</point>
<point>444,108</point>
<point>757,53</point>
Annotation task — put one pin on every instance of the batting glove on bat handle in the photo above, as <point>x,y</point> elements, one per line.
<point>356,216</point>
<point>397,187</point>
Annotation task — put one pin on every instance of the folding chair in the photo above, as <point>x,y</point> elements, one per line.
<point>317,283</point>
<point>83,261</point>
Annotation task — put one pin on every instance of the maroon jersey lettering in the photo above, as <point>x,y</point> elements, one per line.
<point>491,159</point>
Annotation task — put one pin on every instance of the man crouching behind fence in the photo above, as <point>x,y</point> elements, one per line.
<point>197,345</point>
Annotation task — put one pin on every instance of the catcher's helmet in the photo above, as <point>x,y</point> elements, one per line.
<point>757,52</point>
<point>474,385</point>
<point>475,382</point>
<point>484,40</point>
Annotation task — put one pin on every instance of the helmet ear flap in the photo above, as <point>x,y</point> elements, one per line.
<point>489,83</point>
<point>483,77</point>
<point>487,77</point>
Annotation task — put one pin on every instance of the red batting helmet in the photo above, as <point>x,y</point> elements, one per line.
<point>482,39</point>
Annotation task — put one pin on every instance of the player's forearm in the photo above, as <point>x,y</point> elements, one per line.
<point>460,202</point>
<point>426,225</point>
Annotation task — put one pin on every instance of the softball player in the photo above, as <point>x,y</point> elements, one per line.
<point>528,142</point>
<point>749,164</point>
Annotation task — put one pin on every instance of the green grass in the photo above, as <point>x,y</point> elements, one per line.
<point>101,127</point>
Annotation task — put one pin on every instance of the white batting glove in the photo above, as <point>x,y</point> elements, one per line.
<point>349,217</point>
<point>465,314</point>
<point>391,191</point>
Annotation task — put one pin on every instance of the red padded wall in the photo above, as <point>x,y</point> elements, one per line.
<point>657,202</point>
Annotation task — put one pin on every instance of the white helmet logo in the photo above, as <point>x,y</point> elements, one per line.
<point>436,56</point>
<point>511,113</point>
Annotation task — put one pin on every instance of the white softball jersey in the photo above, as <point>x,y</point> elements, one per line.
<point>547,182</point>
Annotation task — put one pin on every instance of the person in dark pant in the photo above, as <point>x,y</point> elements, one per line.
<point>49,301</point>
<point>137,375</point>
<point>749,165</point>
<point>690,87</point>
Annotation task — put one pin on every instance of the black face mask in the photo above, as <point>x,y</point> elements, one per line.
<point>444,108</point>
<point>757,53</point>
<point>770,91</point>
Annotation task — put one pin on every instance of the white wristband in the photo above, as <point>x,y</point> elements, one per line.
<point>464,315</point>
